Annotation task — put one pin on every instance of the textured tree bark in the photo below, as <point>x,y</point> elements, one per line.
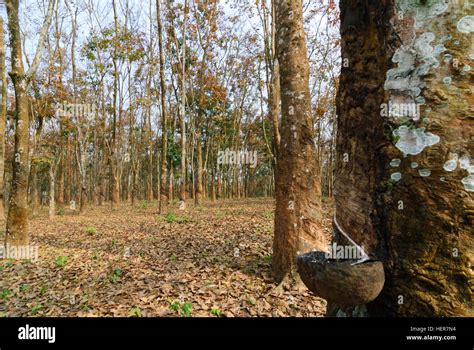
<point>298,208</point>
<point>404,182</point>
<point>17,221</point>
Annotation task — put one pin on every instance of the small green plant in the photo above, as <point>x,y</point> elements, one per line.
<point>91,231</point>
<point>114,243</point>
<point>42,290</point>
<point>173,258</point>
<point>186,309</point>
<point>7,264</point>
<point>220,215</point>
<point>215,311</point>
<point>35,309</point>
<point>114,277</point>
<point>267,259</point>
<point>172,217</point>
<point>175,306</point>
<point>95,256</point>
<point>5,293</point>
<point>25,288</point>
<point>135,312</point>
<point>61,211</point>
<point>85,307</point>
<point>268,214</point>
<point>183,309</point>
<point>61,261</point>
<point>145,204</point>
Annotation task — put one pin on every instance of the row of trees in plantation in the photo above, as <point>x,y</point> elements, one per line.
<point>165,100</point>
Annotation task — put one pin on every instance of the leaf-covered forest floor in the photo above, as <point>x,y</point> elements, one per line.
<point>212,260</point>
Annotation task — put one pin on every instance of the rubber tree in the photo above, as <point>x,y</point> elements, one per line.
<point>404,177</point>
<point>17,219</point>
<point>298,191</point>
<point>164,118</point>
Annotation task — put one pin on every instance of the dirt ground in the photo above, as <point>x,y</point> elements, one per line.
<point>212,260</point>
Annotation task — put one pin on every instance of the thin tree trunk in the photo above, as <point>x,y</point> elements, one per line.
<point>182,188</point>
<point>52,203</point>
<point>198,196</point>
<point>164,118</point>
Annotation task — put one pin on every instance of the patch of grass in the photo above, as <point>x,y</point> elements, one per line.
<point>5,293</point>
<point>173,258</point>
<point>145,204</point>
<point>115,276</point>
<point>183,309</point>
<point>135,312</point>
<point>7,264</point>
<point>220,214</point>
<point>91,231</point>
<point>42,290</point>
<point>25,288</point>
<point>114,243</point>
<point>268,214</point>
<point>215,311</point>
<point>35,309</point>
<point>267,259</point>
<point>172,217</point>
<point>95,256</point>
<point>61,261</point>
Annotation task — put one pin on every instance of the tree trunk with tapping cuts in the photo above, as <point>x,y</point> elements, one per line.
<point>298,208</point>
<point>404,182</point>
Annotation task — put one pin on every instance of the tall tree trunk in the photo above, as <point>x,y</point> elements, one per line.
<point>298,207</point>
<point>114,171</point>
<point>17,222</point>
<point>413,208</point>
<point>182,187</point>
<point>164,118</point>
